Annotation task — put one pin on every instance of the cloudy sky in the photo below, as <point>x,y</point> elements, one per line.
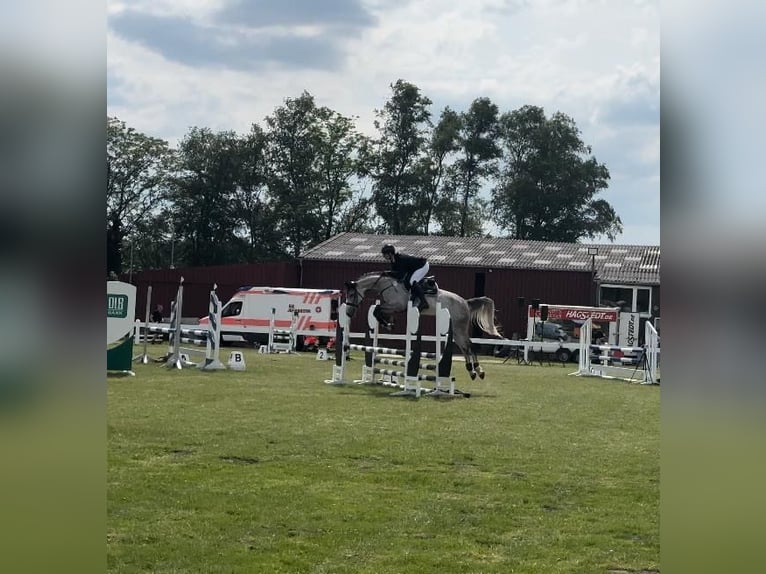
<point>225,64</point>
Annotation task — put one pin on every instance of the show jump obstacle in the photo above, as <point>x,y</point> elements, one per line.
<point>177,356</point>
<point>646,371</point>
<point>409,380</point>
<point>280,340</point>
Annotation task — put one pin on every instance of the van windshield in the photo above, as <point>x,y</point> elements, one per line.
<point>232,309</point>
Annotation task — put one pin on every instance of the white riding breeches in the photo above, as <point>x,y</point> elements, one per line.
<point>418,274</point>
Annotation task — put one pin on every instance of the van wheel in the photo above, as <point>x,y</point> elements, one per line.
<point>563,355</point>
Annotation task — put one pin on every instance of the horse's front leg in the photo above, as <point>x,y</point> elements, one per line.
<point>382,318</point>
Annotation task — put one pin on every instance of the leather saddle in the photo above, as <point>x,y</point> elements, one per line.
<point>429,285</point>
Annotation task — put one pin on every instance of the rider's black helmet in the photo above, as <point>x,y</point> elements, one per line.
<point>388,250</point>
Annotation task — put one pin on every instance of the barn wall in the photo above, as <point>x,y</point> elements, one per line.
<point>198,281</point>
<point>505,286</point>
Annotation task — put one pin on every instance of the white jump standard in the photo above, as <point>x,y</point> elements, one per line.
<point>645,371</point>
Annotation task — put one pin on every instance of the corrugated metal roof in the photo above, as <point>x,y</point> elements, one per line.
<point>631,264</point>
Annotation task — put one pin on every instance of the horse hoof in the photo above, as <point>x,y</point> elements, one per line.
<point>473,376</point>
<point>481,375</point>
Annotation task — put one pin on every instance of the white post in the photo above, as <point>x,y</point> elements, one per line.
<point>652,348</point>
<point>270,348</point>
<point>341,344</point>
<point>411,383</point>
<point>443,325</point>
<point>293,337</point>
<point>368,372</point>
<point>586,332</point>
<point>144,358</point>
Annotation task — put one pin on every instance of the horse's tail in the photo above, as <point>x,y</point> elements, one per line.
<point>482,312</point>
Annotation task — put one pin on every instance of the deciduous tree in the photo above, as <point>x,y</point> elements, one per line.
<point>138,168</point>
<point>548,181</point>
<point>404,124</point>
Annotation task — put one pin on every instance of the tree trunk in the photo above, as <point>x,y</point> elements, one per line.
<point>114,248</point>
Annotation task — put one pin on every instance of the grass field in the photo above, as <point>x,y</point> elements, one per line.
<point>270,470</point>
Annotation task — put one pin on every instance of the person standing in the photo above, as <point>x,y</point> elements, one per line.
<point>157,314</point>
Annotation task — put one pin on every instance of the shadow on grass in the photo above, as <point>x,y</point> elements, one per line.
<point>380,391</point>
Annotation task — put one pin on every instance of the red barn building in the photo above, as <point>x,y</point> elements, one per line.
<point>503,269</point>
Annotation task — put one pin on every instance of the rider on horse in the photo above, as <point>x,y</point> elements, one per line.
<point>409,270</point>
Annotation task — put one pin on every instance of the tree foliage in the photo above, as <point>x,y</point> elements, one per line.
<point>548,181</point>
<point>204,214</point>
<point>308,173</point>
<point>477,148</point>
<point>434,166</point>
<point>403,124</point>
<point>138,168</point>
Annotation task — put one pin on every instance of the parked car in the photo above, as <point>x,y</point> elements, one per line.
<point>551,331</point>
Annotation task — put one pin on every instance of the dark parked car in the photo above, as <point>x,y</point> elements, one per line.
<point>551,332</point>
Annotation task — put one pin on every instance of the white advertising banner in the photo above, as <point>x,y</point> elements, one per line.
<point>628,330</point>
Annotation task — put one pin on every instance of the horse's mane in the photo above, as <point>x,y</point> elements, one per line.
<point>375,274</point>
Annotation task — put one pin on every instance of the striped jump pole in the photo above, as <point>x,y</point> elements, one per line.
<point>212,360</point>
<point>371,349</point>
<point>174,360</point>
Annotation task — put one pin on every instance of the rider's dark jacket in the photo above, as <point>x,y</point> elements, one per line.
<point>403,266</point>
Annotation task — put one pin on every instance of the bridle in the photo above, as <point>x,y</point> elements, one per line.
<point>355,305</point>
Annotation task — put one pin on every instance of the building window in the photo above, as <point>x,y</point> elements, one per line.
<point>627,298</point>
<point>643,296</point>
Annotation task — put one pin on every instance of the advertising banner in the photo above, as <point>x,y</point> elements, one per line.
<point>120,320</point>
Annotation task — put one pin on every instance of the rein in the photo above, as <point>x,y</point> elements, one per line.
<point>359,298</point>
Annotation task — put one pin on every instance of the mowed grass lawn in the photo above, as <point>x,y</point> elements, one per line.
<point>271,470</point>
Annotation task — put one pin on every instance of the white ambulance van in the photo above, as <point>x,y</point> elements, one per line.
<point>251,310</point>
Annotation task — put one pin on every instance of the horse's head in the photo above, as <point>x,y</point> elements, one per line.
<point>353,298</point>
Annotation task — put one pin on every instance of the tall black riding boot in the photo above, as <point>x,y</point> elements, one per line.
<point>418,296</point>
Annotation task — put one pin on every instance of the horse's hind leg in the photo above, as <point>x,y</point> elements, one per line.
<point>475,368</point>
<point>472,364</point>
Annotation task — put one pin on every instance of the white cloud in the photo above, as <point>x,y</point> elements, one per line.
<point>594,60</point>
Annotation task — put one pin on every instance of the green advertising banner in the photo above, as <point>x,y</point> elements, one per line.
<point>120,315</point>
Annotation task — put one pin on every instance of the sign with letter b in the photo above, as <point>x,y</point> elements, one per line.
<point>236,361</point>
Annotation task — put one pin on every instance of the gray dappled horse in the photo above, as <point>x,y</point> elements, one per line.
<point>479,311</point>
